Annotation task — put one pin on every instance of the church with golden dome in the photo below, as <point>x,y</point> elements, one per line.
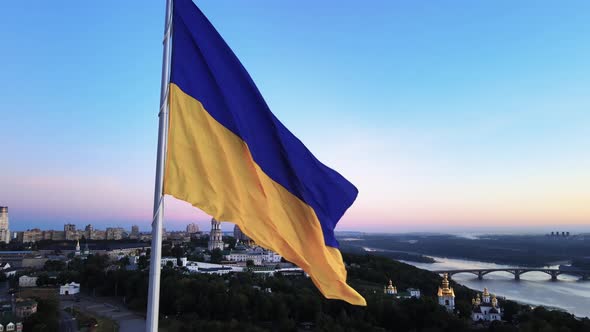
<point>446,294</point>
<point>486,308</point>
<point>390,289</point>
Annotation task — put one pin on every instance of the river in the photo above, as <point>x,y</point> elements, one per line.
<point>535,288</point>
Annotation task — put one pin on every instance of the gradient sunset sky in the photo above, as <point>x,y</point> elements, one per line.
<point>445,114</point>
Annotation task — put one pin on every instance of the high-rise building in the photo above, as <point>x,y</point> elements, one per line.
<point>4,231</point>
<point>89,232</point>
<point>215,237</point>
<point>99,234</point>
<point>70,232</point>
<point>114,233</point>
<point>192,228</point>
<point>239,235</point>
<point>32,235</point>
<point>134,232</point>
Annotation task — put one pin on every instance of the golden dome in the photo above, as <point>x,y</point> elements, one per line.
<point>485,292</point>
<point>390,288</point>
<point>445,282</point>
<point>494,301</point>
<point>445,290</point>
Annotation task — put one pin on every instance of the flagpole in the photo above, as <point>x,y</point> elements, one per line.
<point>156,253</point>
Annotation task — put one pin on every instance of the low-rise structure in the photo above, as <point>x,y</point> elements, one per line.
<point>257,255</point>
<point>390,289</point>
<point>11,272</point>
<point>164,261</point>
<point>25,308</point>
<point>27,281</point>
<point>10,323</point>
<point>285,271</point>
<point>209,268</point>
<point>414,292</point>
<point>71,288</point>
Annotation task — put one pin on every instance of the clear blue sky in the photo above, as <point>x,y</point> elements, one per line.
<point>443,113</point>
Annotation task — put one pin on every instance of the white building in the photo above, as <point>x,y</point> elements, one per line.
<point>414,292</point>
<point>390,289</point>
<point>4,231</point>
<point>210,268</point>
<point>446,294</point>
<point>69,289</point>
<point>257,255</point>
<point>27,281</point>
<point>174,261</point>
<point>486,308</point>
<point>215,237</point>
<point>11,326</point>
<point>271,271</point>
<point>77,249</point>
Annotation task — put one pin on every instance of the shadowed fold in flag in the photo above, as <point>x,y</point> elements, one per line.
<point>228,155</point>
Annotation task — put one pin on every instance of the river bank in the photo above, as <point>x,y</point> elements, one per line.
<point>535,288</point>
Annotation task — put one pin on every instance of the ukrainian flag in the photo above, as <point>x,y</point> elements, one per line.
<point>228,155</point>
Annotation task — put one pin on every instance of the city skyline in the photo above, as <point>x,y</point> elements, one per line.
<point>228,227</point>
<point>473,121</point>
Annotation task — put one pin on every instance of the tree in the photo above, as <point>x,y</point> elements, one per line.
<point>177,251</point>
<point>123,262</point>
<point>44,279</point>
<point>216,256</point>
<point>54,265</point>
<point>142,262</point>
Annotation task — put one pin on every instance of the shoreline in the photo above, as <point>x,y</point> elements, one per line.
<point>574,308</point>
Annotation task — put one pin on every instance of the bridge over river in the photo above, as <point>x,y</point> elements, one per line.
<point>518,271</point>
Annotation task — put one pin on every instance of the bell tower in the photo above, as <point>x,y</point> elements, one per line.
<point>215,237</point>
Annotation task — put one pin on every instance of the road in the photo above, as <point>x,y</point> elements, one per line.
<point>67,323</point>
<point>106,307</point>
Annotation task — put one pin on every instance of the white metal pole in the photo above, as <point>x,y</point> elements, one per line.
<point>156,253</point>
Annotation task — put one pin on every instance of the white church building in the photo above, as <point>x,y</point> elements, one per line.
<point>446,294</point>
<point>486,308</point>
<point>69,289</point>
